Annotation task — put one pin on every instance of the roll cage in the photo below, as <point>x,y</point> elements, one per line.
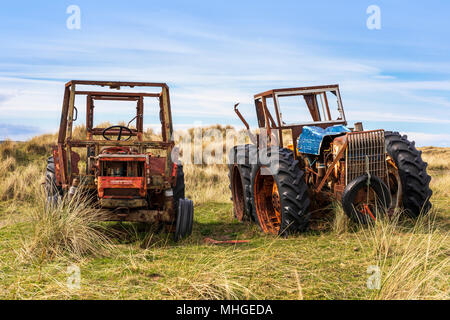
<point>69,114</point>
<point>311,94</point>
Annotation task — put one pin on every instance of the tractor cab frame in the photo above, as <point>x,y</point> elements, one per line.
<point>66,166</point>
<point>311,95</point>
<point>355,153</point>
<point>132,177</point>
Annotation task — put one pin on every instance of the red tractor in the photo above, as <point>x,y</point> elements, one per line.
<point>129,177</point>
<point>294,168</point>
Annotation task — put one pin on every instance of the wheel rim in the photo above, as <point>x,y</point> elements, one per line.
<point>238,194</point>
<point>365,204</point>
<point>267,203</point>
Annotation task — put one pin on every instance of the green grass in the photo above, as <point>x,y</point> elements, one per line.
<point>315,265</point>
<point>328,262</point>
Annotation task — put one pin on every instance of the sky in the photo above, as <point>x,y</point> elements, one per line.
<point>213,54</point>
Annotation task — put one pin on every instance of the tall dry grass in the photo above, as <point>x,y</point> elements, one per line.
<point>7,165</point>
<point>19,183</point>
<point>411,255</point>
<point>69,228</point>
<point>207,183</point>
<point>341,222</point>
<point>437,158</point>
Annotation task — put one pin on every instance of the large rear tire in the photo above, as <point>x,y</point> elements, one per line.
<point>415,182</point>
<point>280,194</point>
<point>240,169</point>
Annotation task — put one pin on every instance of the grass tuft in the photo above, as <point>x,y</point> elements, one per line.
<point>411,257</point>
<point>69,228</point>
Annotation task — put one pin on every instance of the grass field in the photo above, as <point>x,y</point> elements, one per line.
<point>128,261</point>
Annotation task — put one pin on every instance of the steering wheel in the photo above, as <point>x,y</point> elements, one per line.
<point>121,128</point>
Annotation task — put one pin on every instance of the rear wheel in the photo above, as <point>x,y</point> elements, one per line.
<point>411,183</point>
<point>239,174</point>
<point>280,194</point>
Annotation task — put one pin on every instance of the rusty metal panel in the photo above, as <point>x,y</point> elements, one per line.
<point>122,183</point>
<point>157,165</point>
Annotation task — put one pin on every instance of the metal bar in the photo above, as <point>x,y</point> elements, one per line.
<point>61,165</point>
<point>63,123</point>
<point>151,144</point>
<point>89,116</point>
<point>266,117</point>
<point>299,90</point>
<point>316,123</point>
<point>340,106</point>
<point>277,111</point>
<point>116,84</point>
<point>140,118</point>
<point>167,128</point>
<point>327,106</point>
<point>236,110</point>
<point>331,168</point>
<point>118,94</point>
<point>116,98</point>
<point>272,122</point>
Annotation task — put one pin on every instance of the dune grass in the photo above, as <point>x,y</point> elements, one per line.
<point>130,261</point>
<point>70,228</point>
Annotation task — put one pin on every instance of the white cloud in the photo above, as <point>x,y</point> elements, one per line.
<point>392,117</point>
<point>428,139</point>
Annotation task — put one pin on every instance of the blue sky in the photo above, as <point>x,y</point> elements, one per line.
<point>213,54</point>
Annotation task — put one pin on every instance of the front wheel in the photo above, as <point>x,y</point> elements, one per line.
<point>185,219</point>
<point>365,199</point>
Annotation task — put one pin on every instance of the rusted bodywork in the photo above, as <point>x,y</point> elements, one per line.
<point>131,177</point>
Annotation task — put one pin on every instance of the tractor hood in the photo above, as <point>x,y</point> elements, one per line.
<point>311,138</point>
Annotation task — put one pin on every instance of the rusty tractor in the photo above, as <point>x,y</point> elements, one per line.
<point>292,169</point>
<point>128,177</point>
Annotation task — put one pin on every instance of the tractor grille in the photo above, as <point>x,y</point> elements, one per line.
<point>366,152</point>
